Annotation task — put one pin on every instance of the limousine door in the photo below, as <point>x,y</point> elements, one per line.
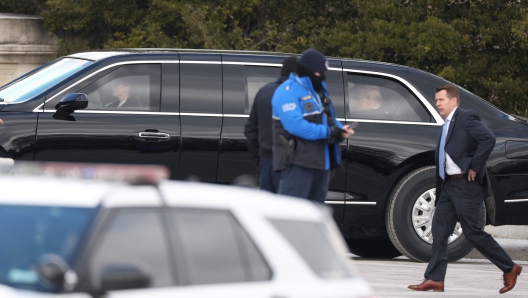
<point>243,76</point>
<point>336,194</point>
<point>17,135</point>
<point>201,115</point>
<point>109,131</point>
<point>395,124</point>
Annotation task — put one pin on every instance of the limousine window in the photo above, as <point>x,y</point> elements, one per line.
<point>256,78</point>
<point>139,84</point>
<point>200,88</point>
<point>376,98</point>
<point>241,84</point>
<point>42,80</point>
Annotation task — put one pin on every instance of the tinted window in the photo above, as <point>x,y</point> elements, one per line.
<point>170,87</point>
<point>241,84</point>
<point>311,241</point>
<point>375,98</point>
<point>334,83</point>
<point>255,78</point>
<point>216,248</point>
<point>134,238</point>
<point>130,87</point>
<point>28,232</point>
<point>200,83</point>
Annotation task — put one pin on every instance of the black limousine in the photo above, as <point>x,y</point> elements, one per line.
<point>188,113</point>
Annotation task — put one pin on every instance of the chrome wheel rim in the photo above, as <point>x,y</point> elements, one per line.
<point>422,218</point>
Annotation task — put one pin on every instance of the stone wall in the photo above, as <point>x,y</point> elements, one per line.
<point>24,45</point>
<point>513,232</point>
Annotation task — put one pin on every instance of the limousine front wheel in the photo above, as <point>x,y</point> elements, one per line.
<point>373,248</point>
<point>410,214</point>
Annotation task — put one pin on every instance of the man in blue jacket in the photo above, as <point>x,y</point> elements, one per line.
<point>306,135</point>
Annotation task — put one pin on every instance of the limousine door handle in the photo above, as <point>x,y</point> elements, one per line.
<point>154,135</point>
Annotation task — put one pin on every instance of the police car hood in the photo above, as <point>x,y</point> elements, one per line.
<point>9,292</point>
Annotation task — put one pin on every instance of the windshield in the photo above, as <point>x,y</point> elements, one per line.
<point>40,81</point>
<point>28,232</point>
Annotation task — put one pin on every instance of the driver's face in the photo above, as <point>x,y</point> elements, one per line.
<point>119,88</point>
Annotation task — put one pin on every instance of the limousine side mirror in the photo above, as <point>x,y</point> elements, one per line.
<point>69,103</point>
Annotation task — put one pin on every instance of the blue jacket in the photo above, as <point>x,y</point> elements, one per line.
<point>298,113</point>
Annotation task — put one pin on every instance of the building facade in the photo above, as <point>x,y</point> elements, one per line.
<point>24,45</point>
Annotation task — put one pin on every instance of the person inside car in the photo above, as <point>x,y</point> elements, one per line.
<point>365,102</point>
<point>121,90</point>
<point>369,97</point>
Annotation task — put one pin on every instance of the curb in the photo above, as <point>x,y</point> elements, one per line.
<point>516,248</point>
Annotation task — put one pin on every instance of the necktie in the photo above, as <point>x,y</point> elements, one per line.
<point>441,152</point>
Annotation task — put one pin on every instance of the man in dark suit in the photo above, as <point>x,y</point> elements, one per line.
<point>258,129</point>
<point>121,90</point>
<point>461,154</point>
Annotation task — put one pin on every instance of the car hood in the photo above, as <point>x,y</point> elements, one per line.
<point>9,292</point>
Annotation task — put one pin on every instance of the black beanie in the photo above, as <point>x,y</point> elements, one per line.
<point>314,61</point>
<point>289,65</point>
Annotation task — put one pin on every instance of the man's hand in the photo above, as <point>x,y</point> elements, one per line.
<point>336,135</point>
<point>471,175</point>
<point>347,131</point>
<point>1,122</point>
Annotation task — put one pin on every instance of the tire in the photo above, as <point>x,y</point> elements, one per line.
<point>372,248</point>
<point>414,241</point>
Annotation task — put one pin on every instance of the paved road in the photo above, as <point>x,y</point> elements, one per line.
<point>465,278</point>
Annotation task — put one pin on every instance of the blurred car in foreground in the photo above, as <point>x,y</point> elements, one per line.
<point>71,237</point>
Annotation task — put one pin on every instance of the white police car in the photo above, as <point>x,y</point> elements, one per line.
<point>71,237</point>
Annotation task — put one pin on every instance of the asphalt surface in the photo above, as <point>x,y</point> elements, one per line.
<point>465,278</point>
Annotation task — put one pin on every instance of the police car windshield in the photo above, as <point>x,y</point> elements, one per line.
<point>40,81</point>
<point>28,232</point>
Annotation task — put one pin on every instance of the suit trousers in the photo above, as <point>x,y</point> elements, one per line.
<point>461,200</point>
<point>301,182</point>
<point>268,179</point>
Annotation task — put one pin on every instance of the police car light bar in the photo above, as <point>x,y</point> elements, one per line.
<point>133,174</point>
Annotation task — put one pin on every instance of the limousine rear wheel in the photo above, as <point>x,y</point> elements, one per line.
<point>409,216</point>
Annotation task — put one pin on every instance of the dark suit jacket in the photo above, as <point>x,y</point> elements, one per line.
<point>130,104</point>
<point>469,143</point>
<point>258,127</point>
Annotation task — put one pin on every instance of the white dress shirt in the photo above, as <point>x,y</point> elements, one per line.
<point>451,167</point>
<point>122,103</point>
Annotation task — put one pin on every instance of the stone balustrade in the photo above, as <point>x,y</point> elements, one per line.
<point>24,45</point>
